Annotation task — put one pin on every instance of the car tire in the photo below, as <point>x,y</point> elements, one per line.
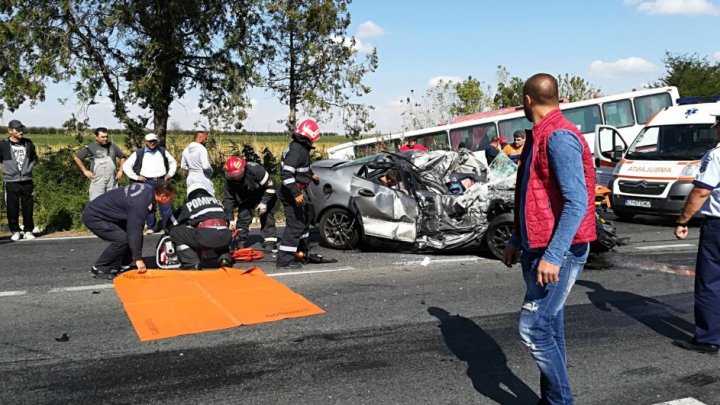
<point>623,215</point>
<point>339,229</point>
<point>498,232</point>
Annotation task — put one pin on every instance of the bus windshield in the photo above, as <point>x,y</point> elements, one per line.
<point>673,142</point>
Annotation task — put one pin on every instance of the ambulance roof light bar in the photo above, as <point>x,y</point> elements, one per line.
<point>698,100</point>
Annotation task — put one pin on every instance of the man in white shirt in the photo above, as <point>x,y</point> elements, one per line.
<point>196,161</point>
<point>152,165</point>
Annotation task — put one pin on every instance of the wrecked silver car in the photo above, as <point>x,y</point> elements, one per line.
<point>443,201</point>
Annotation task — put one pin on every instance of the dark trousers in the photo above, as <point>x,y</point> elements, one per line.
<point>166,212</point>
<point>118,252</point>
<point>188,241</point>
<point>18,195</point>
<point>267,221</point>
<point>707,284</point>
<point>297,226</point>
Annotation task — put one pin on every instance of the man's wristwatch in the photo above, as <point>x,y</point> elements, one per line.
<point>683,224</point>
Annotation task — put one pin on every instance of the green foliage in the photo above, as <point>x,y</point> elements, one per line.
<point>310,62</point>
<point>269,162</point>
<point>248,152</point>
<point>692,75</point>
<point>471,97</point>
<point>574,88</point>
<point>509,89</point>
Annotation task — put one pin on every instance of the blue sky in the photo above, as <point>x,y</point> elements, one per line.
<point>616,45</point>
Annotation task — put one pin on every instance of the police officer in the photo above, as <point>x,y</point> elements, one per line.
<point>118,217</point>
<point>296,175</point>
<point>249,186</point>
<point>705,197</point>
<point>201,225</point>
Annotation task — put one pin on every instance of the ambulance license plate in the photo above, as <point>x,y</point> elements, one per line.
<point>637,203</point>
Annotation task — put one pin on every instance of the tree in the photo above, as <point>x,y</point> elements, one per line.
<point>574,88</point>
<point>509,89</point>
<point>471,97</point>
<point>143,52</point>
<point>311,64</point>
<point>692,75</point>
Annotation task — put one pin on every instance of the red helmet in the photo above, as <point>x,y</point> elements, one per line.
<point>235,168</point>
<point>309,129</point>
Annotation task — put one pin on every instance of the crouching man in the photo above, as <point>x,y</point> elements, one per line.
<point>118,217</point>
<point>201,226</point>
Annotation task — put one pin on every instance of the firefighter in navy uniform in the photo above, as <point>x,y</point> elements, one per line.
<point>201,225</point>
<point>296,174</point>
<point>249,186</point>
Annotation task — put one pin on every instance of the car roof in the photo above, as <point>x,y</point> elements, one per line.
<point>686,114</point>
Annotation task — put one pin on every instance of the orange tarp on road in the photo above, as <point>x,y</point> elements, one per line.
<point>167,303</point>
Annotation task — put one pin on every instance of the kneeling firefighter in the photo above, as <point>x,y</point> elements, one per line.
<point>296,174</point>
<point>201,226</point>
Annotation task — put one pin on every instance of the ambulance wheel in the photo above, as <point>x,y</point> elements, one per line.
<point>623,215</point>
<point>498,232</point>
<point>339,229</point>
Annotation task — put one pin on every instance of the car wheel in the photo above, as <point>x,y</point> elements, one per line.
<point>339,229</point>
<point>623,215</point>
<point>498,233</point>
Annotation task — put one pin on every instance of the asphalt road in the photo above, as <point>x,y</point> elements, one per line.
<point>398,328</point>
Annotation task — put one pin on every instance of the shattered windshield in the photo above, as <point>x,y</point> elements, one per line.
<point>501,172</point>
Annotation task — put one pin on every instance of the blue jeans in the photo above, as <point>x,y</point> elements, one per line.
<point>541,320</point>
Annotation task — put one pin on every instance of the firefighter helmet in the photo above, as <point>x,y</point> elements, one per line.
<point>235,168</point>
<point>309,129</point>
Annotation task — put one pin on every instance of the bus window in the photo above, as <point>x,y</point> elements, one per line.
<point>508,127</point>
<point>584,118</point>
<point>618,113</point>
<point>475,137</point>
<point>647,106</point>
<point>436,141</point>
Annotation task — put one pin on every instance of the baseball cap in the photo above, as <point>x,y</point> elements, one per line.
<point>502,139</point>
<point>151,137</point>
<point>716,114</point>
<point>15,124</point>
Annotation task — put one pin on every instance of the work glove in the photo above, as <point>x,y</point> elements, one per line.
<point>315,179</point>
<point>262,208</point>
<point>299,199</point>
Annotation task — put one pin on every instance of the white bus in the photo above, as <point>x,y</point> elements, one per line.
<point>627,112</point>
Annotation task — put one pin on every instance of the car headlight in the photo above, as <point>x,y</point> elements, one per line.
<point>690,171</point>
<point>616,171</point>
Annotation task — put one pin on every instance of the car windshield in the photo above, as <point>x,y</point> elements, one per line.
<point>673,142</point>
<point>354,162</point>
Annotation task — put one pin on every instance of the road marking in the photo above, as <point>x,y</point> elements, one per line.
<point>460,259</point>
<point>297,273</point>
<point>12,293</point>
<point>82,288</point>
<point>681,245</point>
<point>684,401</point>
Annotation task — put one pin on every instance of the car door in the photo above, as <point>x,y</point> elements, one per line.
<point>385,212</point>
<point>609,148</point>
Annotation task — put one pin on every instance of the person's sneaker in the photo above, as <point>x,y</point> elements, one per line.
<point>694,346</point>
<point>28,236</point>
<point>149,231</point>
<point>99,273</point>
<point>16,236</point>
<point>225,262</point>
<point>291,265</point>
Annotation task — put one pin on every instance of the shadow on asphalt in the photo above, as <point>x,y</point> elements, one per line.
<point>487,364</point>
<point>656,315</point>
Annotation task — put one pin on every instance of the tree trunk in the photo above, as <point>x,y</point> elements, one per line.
<point>160,121</point>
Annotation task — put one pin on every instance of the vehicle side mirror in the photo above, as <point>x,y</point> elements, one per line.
<point>617,153</point>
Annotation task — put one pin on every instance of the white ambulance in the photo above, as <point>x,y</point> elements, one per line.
<point>654,174</point>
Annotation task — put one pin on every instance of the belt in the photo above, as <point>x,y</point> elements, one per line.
<point>711,218</point>
<point>212,223</point>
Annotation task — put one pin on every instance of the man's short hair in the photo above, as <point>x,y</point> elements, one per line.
<point>542,88</point>
<point>393,175</point>
<point>100,129</point>
<point>165,189</point>
<point>200,132</point>
<point>519,134</point>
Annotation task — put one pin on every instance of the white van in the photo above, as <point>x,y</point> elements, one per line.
<point>654,174</point>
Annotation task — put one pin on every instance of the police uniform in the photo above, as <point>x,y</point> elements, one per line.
<point>296,175</point>
<point>118,216</point>
<point>707,272</point>
<point>256,187</point>
<point>201,226</point>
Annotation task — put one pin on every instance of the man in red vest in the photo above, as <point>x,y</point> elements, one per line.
<point>554,225</point>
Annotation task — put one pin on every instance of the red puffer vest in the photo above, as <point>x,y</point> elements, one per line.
<point>544,201</point>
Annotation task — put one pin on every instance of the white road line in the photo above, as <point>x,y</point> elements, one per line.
<point>297,273</point>
<point>12,293</point>
<point>653,247</point>
<point>82,288</point>
<point>460,259</point>
<point>684,401</point>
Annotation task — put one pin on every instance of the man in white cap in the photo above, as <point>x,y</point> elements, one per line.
<point>18,158</point>
<point>152,164</point>
<point>196,161</point>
